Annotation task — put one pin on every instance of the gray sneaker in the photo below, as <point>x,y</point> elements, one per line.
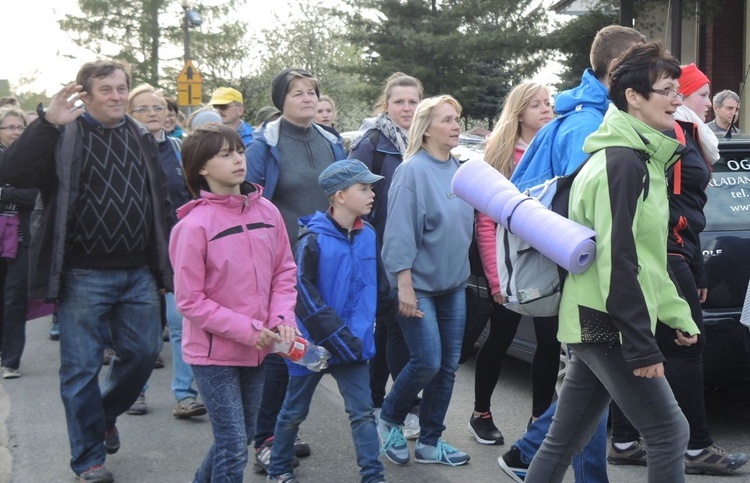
<point>10,373</point>
<point>714,461</point>
<point>139,407</point>
<point>97,474</point>
<point>392,442</point>
<point>411,424</point>
<point>285,478</point>
<point>635,454</point>
<point>443,454</point>
<point>187,408</point>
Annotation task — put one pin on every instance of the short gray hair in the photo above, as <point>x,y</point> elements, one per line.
<point>722,96</point>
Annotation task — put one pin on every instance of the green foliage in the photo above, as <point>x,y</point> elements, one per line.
<point>26,98</point>
<point>574,41</point>
<point>475,50</point>
<point>313,40</point>
<point>139,31</point>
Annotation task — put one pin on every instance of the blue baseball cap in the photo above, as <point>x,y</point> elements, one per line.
<point>342,174</point>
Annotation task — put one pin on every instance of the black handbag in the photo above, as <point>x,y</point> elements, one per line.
<point>478,301</point>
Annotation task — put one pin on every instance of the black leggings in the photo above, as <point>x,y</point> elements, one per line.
<point>683,369</point>
<point>546,363</point>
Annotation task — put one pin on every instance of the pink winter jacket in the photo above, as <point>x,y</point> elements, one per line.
<point>487,237</point>
<point>233,275</point>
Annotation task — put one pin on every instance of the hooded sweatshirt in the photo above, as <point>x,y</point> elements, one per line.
<point>621,194</point>
<point>234,276</point>
<point>556,148</point>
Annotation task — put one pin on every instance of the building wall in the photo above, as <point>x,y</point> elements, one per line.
<point>724,51</point>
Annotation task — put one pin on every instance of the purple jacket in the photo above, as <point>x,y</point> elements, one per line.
<point>234,275</point>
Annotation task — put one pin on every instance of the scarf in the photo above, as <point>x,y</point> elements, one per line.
<point>709,141</point>
<point>395,134</point>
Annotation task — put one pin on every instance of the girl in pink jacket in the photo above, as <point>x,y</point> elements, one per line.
<point>234,286</point>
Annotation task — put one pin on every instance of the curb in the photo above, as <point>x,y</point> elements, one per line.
<point>6,459</point>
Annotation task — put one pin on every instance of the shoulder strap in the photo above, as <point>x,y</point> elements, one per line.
<point>378,156</point>
<point>677,181</point>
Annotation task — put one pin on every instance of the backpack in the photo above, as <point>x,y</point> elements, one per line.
<point>530,282</point>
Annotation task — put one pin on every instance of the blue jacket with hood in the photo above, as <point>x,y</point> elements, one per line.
<point>262,156</point>
<point>339,283</point>
<point>557,149</point>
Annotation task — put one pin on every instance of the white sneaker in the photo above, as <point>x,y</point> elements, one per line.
<point>411,424</point>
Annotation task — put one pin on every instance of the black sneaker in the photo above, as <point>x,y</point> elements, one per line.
<point>512,465</point>
<point>635,454</point>
<point>97,474</point>
<point>301,449</point>
<point>484,429</point>
<point>112,440</point>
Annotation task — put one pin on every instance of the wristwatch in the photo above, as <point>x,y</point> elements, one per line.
<point>41,111</point>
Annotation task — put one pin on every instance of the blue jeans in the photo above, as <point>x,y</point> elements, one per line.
<point>182,380</point>
<point>277,376</point>
<point>232,396</point>
<point>127,301</point>
<point>590,466</point>
<point>595,372</point>
<point>354,385</point>
<point>434,349</point>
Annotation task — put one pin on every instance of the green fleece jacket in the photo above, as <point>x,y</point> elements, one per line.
<point>621,193</point>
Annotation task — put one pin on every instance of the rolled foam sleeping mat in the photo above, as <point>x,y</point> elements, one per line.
<point>567,243</point>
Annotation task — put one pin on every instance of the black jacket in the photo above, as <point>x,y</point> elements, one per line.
<point>686,217</point>
<point>48,158</point>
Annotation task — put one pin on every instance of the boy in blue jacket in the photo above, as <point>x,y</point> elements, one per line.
<point>340,281</point>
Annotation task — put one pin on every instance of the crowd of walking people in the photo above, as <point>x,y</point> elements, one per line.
<point>229,239</point>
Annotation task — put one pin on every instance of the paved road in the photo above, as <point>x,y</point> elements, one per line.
<point>156,447</point>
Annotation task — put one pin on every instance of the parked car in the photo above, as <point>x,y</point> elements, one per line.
<point>726,254</point>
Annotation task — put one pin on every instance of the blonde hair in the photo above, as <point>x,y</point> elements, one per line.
<point>12,111</point>
<point>502,142</point>
<point>145,89</point>
<point>422,119</point>
<point>397,79</point>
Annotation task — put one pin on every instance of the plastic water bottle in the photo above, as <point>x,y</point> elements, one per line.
<point>304,353</point>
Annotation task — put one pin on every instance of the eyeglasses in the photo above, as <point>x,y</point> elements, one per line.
<point>13,128</point>
<point>144,110</point>
<point>670,94</point>
<point>171,115</point>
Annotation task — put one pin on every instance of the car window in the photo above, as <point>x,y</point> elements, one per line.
<point>728,206</point>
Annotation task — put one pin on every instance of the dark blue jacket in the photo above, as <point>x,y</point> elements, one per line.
<point>371,145</point>
<point>339,282</point>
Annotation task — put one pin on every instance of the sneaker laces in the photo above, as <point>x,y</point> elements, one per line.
<point>395,438</point>
<point>442,450</point>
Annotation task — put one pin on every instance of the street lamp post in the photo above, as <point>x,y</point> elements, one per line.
<point>186,29</point>
<point>190,19</point>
